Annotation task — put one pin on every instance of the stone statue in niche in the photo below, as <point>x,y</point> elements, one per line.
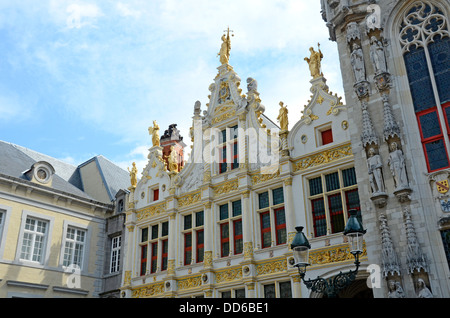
<point>396,163</point>
<point>357,60</point>
<point>377,55</point>
<point>423,291</point>
<point>375,174</point>
<point>395,290</point>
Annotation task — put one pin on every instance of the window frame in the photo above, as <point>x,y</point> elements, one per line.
<point>46,249</point>
<point>229,221</point>
<point>422,41</point>
<point>68,240</point>
<point>193,230</point>
<point>325,196</point>
<point>228,149</point>
<point>271,210</point>
<point>154,240</point>
<point>116,251</point>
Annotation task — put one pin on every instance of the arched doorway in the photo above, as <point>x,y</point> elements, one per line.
<point>357,289</point>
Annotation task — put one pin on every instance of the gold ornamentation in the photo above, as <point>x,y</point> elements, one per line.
<point>148,291</point>
<point>172,159</point>
<point>154,132</point>
<point>127,278</point>
<point>324,157</point>
<point>229,275</point>
<point>133,175</point>
<point>260,178</point>
<point>223,117</point>
<point>208,259</point>
<point>334,109</point>
<point>283,117</point>
<point>309,115</point>
<point>151,211</point>
<point>189,199</point>
<point>340,253</point>
<point>288,181</point>
<point>190,282</point>
<point>171,266</point>
<point>314,62</point>
<point>271,267</point>
<point>320,100</point>
<point>227,187</point>
<point>248,250</point>
<point>225,48</point>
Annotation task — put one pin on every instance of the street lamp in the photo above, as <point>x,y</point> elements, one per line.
<point>331,287</point>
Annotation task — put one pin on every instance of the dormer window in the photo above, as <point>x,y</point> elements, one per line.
<point>41,172</point>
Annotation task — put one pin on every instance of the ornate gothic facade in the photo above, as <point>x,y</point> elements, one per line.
<point>222,225</point>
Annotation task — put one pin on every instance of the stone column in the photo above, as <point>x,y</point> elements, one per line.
<point>209,238</point>
<point>130,239</point>
<point>247,225</point>
<point>289,210</point>
<point>172,244</point>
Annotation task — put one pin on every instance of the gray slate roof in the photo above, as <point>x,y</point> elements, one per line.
<point>15,160</point>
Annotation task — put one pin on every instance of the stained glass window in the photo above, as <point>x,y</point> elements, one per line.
<point>223,211</point>
<point>349,177</point>
<point>332,181</point>
<point>263,200</point>
<point>237,208</point>
<point>425,44</point>
<point>440,60</point>
<point>278,197</point>
<point>315,186</point>
<point>446,241</point>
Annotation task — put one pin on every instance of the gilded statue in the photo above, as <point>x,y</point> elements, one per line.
<point>133,175</point>
<point>172,160</point>
<point>283,117</point>
<point>225,48</point>
<point>154,132</point>
<point>315,61</point>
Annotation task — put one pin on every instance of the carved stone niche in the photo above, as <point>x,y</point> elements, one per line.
<point>376,178</point>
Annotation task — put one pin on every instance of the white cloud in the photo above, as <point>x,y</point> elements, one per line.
<point>81,14</point>
<point>125,11</point>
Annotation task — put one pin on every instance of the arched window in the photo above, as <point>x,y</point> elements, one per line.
<point>425,43</point>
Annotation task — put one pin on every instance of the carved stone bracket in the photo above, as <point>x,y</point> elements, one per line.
<point>362,89</point>
<point>379,199</point>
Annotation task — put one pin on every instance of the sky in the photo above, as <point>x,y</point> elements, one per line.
<point>80,78</point>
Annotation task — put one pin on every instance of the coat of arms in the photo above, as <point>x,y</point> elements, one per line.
<point>442,186</point>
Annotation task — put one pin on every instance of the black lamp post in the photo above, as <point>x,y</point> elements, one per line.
<point>331,287</point>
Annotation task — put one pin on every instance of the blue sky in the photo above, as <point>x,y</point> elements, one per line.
<point>85,78</point>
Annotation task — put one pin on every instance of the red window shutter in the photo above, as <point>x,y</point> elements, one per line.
<point>155,194</point>
<point>327,136</point>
